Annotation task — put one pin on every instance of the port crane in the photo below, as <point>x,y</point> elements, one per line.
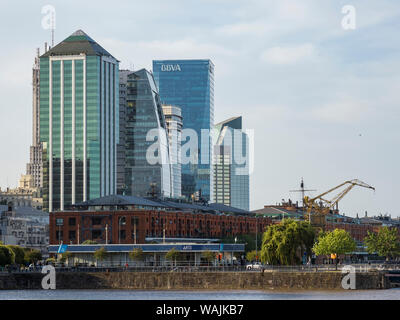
<point>323,206</point>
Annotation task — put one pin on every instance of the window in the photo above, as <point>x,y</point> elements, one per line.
<point>122,221</point>
<point>96,220</point>
<point>122,234</point>
<point>59,235</point>
<point>72,235</point>
<point>96,234</point>
<point>59,222</point>
<point>72,221</point>
<point>135,221</point>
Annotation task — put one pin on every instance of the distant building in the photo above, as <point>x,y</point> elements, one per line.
<point>25,227</point>
<point>26,195</point>
<point>173,120</point>
<point>189,84</point>
<point>121,152</point>
<point>147,159</point>
<point>231,164</point>
<point>35,166</point>
<point>127,219</point>
<point>79,122</point>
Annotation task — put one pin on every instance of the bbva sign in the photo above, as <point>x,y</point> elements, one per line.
<point>170,67</point>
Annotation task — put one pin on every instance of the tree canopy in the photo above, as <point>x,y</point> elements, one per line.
<point>89,242</point>
<point>100,254</point>
<point>285,243</point>
<point>19,254</point>
<point>136,254</point>
<point>33,256</point>
<point>336,242</point>
<point>172,254</point>
<point>385,242</point>
<point>251,255</point>
<point>209,256</point>
<point>248,239</point>
<point>7,256</point>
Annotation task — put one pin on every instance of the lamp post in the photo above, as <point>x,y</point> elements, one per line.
<point>256,240</point>
<point>107,233</point>
<point>134,231</point>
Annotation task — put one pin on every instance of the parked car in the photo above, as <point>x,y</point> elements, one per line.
<point>254,266</point>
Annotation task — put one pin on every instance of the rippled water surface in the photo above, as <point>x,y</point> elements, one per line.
<point>391,294</point>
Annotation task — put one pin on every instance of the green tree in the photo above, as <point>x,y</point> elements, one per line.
<point>19,253</point>
<point>251,255</point>
<point>32,256</point>
<point>172,255</point>
<point>209,256</point>
<point>100,254</point>
<point>7,256</point>
<point>285,243</point>
<point>86,242</point>
<point>66,256</point>
<point>249,241</point>
<point>137,254</point>
<point>385,243</point>
<point>335,242</point>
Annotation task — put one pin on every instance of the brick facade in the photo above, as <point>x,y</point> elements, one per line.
<point>79,226</point>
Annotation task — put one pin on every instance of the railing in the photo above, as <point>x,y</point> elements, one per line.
<point>212,268</point>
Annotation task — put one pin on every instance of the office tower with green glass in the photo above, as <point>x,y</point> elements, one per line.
<point>79,121</point>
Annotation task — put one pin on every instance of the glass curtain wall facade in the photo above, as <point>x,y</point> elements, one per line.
<point>189,84</point>
<point>79,123</point>
<point>147,159</point>
<point>231,164</point>
<point>173,120</point>
<point>123,80</point>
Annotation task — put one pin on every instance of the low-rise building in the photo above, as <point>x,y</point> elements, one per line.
<point>25,195</point>
<point>133,220</point>
<point>25,227</point>
<point>152,254</point>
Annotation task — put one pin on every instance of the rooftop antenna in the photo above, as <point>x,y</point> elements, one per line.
<point>53,27</point>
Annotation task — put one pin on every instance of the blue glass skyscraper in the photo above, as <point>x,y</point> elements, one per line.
<point>189,84</point>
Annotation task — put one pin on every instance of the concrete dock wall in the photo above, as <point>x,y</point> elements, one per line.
<point>195,280</point>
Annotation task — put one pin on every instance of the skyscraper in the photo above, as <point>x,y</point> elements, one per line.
<point>189,84</point>
<point>79,122</point>
<point>121,152</point>
<point>231,164</point>
<point>35,165</point>
<point>147,160</point>
<point>173,120</point>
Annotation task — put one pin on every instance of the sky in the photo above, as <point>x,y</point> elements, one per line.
<point>323,100</point>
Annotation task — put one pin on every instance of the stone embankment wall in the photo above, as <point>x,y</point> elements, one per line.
<point>196,280</point>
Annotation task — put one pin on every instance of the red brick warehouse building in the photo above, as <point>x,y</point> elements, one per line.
<point>127,220</point>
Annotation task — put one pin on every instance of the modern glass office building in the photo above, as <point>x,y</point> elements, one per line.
<point>189,84</point>
<point>173,120</point>
<point>147,159</point>
<point>231,164</point>
<point>79,123</point>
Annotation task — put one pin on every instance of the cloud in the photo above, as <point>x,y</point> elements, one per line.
<point>141,54</point>
<point>288,55</point>
<point>342,112</point>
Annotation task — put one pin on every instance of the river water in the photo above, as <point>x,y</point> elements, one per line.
<point>390,294</point>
